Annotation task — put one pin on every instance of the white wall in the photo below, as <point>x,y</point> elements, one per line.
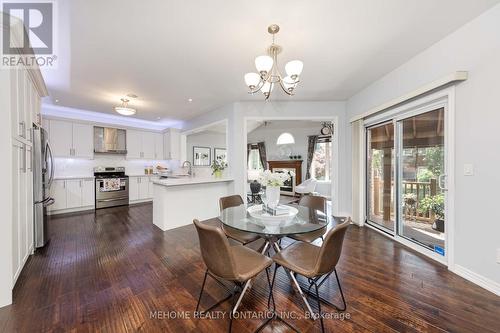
<point>475,48</point>
<point>236,114</point>
<point>204,139</point>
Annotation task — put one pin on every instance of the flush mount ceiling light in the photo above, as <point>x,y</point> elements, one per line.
<point>268,74</point>
<point>285,139</point>
<point>124,109</point>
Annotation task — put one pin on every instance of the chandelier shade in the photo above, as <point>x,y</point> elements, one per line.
<point>263,64</point>
<point>124,109</point>
<point>268,74</point>
<point>294,68</point>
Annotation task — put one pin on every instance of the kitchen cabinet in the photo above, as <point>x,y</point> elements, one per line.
<point>141,145</point>
<point>69,139</point>
<point>150,186</point>
<point>73,193</point>
<point>172,144</point>
<point>58,192</point>
<point>140,188</point>
<point>83,140</point>
<point>70,194</point>
<point>133,188</point>
<point>134,144</point>
<point>88,192</point>
<point>158,146</point>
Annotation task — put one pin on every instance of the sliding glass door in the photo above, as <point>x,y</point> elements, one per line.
<point>405,172</point>
<point>421,172</point>
<point>380,175</point>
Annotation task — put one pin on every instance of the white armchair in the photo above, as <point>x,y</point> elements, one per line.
<point>306,187</point>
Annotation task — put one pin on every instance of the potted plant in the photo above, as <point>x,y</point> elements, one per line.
<point>217,167</point>
<point>434,204</point>
<point>273,181</point>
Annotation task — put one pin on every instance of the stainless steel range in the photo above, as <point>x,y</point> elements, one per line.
<point>111,187</point>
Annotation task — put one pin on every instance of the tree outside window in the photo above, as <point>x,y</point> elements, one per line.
<point>321,162</point>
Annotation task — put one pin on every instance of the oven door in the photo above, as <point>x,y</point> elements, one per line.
<point>105,197</point>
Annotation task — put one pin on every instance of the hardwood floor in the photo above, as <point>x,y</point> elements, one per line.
<point>107,273</point>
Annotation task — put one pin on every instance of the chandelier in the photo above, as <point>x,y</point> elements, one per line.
<point>268,73</point>
<point>124,109</point>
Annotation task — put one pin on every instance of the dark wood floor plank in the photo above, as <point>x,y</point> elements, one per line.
<point>110,271</point>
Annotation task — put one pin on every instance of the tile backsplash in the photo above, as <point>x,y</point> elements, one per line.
<point>81,167</point>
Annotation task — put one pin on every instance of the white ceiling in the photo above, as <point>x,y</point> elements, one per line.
<point>169,51</point>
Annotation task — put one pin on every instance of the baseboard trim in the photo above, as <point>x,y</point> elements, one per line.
<point>477,279</point>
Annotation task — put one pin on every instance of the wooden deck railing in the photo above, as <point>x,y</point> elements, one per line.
<point>410,210</point>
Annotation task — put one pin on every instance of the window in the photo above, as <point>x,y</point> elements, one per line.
<point>322,158</point>
<point>254,162</point>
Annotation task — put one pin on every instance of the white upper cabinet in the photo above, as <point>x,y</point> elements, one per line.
<point>71,139</point>
<point>142,145</point>
<point>61,137</point>
<point>83,140</point>
<point>172,144</point>
<point>148,145</point>
<point>158,146</point>
<point>134,144</point>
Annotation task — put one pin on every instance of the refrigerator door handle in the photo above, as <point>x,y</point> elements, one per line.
<point>51,178</point>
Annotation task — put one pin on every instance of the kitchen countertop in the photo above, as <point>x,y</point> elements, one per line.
<point>189,181</point>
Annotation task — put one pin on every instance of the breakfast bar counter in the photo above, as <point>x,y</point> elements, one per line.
<point>177,201</point>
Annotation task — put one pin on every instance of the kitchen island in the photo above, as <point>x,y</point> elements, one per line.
<point>177,201</point>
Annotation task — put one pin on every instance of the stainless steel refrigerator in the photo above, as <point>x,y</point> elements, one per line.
<point>43,175</point>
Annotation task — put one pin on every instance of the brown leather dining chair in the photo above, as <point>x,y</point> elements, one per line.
<point>317,203</point>
<point>315,263</point>
<point>240,236</point>
<point>237,263</point>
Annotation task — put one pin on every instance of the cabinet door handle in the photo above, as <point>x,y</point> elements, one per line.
<point>64,184</point>
<point>80,183</point>
<point>23,159</point>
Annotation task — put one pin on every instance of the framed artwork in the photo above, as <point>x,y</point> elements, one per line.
<point>220,154</point>
<point>201,156</point>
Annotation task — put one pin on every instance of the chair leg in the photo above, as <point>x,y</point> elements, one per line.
<point>201,291</point>
<point>319,306</point>
<point>271,285</point>
<point>233,299</point>
<point>341,293</point>
<point>325,277</point>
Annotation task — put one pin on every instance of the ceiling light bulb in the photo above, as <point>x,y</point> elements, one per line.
<point>190,100</point>
<point>263,64</point>
<point>294,68</point>
<point>252,80</point>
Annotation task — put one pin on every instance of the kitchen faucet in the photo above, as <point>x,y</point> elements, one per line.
<point>190,170</point>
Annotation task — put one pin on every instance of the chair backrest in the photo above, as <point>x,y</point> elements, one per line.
<point>215,250</point>
<point>313,202</point>
<point>230,201</point>
<point>331,249</point>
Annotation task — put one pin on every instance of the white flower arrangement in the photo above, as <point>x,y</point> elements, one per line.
<point>268,178</point>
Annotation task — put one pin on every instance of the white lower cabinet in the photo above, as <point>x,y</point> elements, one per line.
<point>140,188</point>
<point>71,194</point>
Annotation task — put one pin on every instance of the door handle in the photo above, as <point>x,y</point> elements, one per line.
<point>441,181</point>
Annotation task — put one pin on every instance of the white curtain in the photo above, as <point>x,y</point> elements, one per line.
<point>358,172</point>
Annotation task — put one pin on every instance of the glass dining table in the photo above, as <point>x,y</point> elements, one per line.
<point>306,220</point>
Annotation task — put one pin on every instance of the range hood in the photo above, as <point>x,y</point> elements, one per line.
<point>109,140</point>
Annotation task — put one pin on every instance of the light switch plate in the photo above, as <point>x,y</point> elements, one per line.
<point>468,170</point>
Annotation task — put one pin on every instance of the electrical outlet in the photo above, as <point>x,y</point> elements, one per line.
<point>468,170</point>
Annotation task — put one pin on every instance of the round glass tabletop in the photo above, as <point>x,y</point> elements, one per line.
<point>306,220</point>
